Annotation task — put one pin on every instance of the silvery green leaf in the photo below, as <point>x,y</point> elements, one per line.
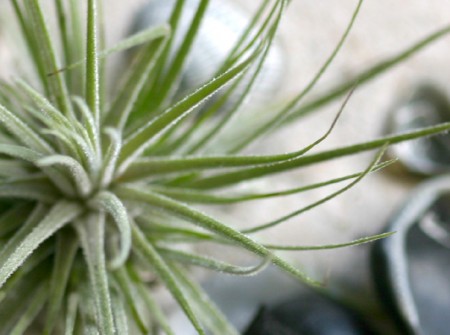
<point>30,189</point>
<point>91,232</point>
<point>146,250</point>
<point>356,242</point>
<point>137,143</point>
<point>230,178</point>
<point>71,314</point>
<point>14,217</point>
<point>137,39</point>
<point>291,105</point>
<point>19,248</point>
<point>194,196</point>
<point>110,159</point>
<point>23,133</point>
<point>204,221</point>
<point>66,248</point>
<point>212,264</point>
<point>120,316</point>
<point>49,110</point>
<point>131,298</point>
<point>157,315</point>
<point>40,296</point>
<point>11,168</point>
<point>329,197</point>
<point>112,205</point>
<point>57,88</point>
<point>74,168</point>
<point>216,321</point>
<point>16,307</point>
<point>89,122</point>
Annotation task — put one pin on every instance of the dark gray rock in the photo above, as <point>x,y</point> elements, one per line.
<point>411,269</point>
<point>426,107</point>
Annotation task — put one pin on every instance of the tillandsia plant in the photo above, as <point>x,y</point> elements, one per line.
<point>99,180</point>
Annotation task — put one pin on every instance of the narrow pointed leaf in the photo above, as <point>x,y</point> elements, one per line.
<point>120,316</point>
<point>216,321</point>
<point>53,115</point>
<point>91,231</point>
<point>89,122</point>
<point>212,264</point>
<point>10,168</point>
<point>131,297</point>
<point>145,167</point>
<point>79,175</point>
<point>317,203</point>
<point>15,307</point>
<point>38,259</point>
<point>282,115</point>
<point>23,133</point>
<point>112,154</point>
<point>31,44</point>
<point>193,196</point>
<point>56,84</point>
<point>36,216</point>
<point>152,305</point>
<point>366,75</point>
<point>40,296</point>
<point>92,67</point>
<point>109,202</point>
<point>221,124</point>
<point>356,242</point>
<point>146,250</point>
<point>204,221</point>
<point>66,248</point>
<point>71,314</point>
<point>137,142</point>
<point>137,39</point>
<point>124,107</point>
<point>231,178</point>
<point>13,218</point>
<point>39,189</point>
<point>167,87</point>
<point>17,250</point>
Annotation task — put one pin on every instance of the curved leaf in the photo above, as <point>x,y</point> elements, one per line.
<point>146,250</point>
<point>138,141</point>
<point>79,175</point>
<point>213,264</point>
<point>91,233</point>
<point>109,202</point>
<point>226,179</point>
<point>358,241</point>
<point>202,220</point>
<point>24,133</point>
<point>17,250</point>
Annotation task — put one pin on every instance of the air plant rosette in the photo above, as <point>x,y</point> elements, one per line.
<point>100,180</point>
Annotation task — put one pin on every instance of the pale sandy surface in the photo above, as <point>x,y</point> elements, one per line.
<point>308,34</point>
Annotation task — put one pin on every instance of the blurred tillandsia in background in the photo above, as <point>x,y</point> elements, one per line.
<point>101,179</point>
<point>217,35</point>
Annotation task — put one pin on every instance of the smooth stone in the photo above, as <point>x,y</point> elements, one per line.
<point>426,107</point>
<point>222,26</point>
<point>411,269</point>
<point>239,298</point>
<point>271,303</point>
<point>310,313</point>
